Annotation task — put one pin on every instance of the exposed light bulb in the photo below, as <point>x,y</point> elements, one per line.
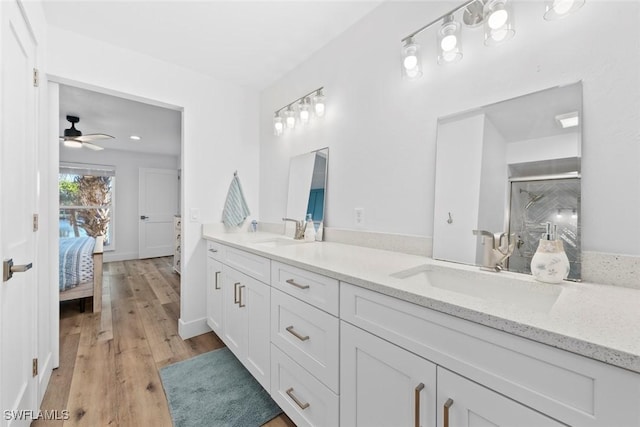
<point>498,18</point>
<point>448,38</point>
<point>318,103</point>
<point>304,111</point>
<point>411,59</point>
<point>574,214</point>
<point>557,9</point>
<point>290,118</point>
<point>278,126</point>
<point>449,42</point>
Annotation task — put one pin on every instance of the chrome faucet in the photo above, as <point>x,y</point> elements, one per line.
<point>496,253</point>
<point>300,225</point>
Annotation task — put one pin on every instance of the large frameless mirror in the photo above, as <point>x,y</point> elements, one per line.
<point>308,185</point>
<point>510,167</point>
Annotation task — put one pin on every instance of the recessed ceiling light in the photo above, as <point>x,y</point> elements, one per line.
<point>568,120</point>
<point>135,137</point>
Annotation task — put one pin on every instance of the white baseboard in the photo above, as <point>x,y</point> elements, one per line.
<point>193,328</point>
<point>119,256</point>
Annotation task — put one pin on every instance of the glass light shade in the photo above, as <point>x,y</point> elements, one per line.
<point>304,111</point>
<point>411,67</point>
<point>278,125</point>
<point>318,104</point>
<point>290,118</point>
<point>557,9</point>
<point>72,144</point>
<point>498,22</point>
<point>449,41</point>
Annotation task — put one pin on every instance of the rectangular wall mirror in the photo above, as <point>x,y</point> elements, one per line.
<point>510,167</point>
<point>308,186</point>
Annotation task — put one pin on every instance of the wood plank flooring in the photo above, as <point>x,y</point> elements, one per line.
<point>109,361</point>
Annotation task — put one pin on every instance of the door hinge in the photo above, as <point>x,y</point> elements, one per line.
<point>36,77</point>
<point>35,222</point>
<point>35,367</point>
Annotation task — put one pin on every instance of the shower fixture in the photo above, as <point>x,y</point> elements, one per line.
<point>532,198</point>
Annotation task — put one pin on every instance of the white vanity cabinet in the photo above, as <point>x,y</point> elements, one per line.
<point>238,306</point>
<point>478,366</point>
<point>464,403</point>
<point>383,384</point>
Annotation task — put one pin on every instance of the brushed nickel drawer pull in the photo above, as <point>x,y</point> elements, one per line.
<point>240,304</point>
<point>297,335</point>
<point>297,285</point>
<point>417,391</point>
<point>236,300</point>
<point>216,282</point>
<point>447,405</point>
<point>302,406</point>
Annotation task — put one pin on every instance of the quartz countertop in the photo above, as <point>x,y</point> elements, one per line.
<point>597,321</point>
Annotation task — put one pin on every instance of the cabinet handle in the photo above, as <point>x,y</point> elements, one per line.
<point>235,293</point>
<point>240,304</point>
<point>216,282</point>
<point>297,335</point>
<point>302,406</point>
<point>213,250</point>
<point>417,391</point>
<point>297,285</point>
<point>447,405</point>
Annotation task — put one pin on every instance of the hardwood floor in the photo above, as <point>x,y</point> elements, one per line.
<point>109,361</point>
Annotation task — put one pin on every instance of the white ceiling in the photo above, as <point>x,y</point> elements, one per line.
<point>250,43</point>
<point>159,128</point>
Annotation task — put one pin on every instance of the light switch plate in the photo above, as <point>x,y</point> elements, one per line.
<point>359,216</point>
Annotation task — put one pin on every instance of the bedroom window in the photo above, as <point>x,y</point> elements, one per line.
<point>86,201</point>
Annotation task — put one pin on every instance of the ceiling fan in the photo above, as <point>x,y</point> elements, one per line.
<point>74,138</point>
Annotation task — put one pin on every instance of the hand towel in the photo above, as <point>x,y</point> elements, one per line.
<point>235,208</point>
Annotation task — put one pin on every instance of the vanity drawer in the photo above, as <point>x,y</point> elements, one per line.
<point>301,396</point>
<point>252,265</point>
<point>570,388</point>
<point>315,289</point>
<point>308,335</point>
<point>215,250</point>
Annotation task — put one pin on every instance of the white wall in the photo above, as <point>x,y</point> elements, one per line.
<point>549,148</point>
<point>220,135</point>
<point>381,129</point>
<point>127,165</point>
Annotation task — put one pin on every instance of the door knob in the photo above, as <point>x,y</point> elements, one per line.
<point>144,217</point>
<point>8,269</point>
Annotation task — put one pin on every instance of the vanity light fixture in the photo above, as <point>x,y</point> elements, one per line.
<point>568,120</point>
<point>278,125</point>
<point>449,41</point>
<point>299,111</point>
<point>556,9</point>
<point>290,117</point>
<point>497,18</point>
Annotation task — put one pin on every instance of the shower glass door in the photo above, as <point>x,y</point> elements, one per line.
<point>533,204</point>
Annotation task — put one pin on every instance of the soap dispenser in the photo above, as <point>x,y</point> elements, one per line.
<point>309,230</point>
<point>550,263</point>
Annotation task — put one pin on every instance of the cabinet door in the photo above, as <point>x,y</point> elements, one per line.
<point>382,384</point>
<point>214,295</point>
<point>255,300</point>
<point>234,316</point>
<point>473,405</point>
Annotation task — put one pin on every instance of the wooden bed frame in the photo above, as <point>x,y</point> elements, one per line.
<point>90,289</point>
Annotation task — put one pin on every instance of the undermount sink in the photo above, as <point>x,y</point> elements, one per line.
<point>490,287</point>
<point>278,242</point>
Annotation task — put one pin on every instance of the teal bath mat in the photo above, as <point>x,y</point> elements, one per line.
<point>214,389</point>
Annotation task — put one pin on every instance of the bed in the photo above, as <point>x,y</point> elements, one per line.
<point>80,272</point>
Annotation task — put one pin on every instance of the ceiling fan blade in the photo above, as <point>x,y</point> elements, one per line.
<point>92,137</point>
<point>91,146</point>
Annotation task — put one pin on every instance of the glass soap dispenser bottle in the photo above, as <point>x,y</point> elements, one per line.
<point>309,230</point>
<point>550,263</point>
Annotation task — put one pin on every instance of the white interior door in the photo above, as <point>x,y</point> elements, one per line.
<point>158,204</point>
<point>18,195</point>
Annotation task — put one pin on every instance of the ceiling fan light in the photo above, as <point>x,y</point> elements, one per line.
<point>72,144</point>
<point>135,137</point>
